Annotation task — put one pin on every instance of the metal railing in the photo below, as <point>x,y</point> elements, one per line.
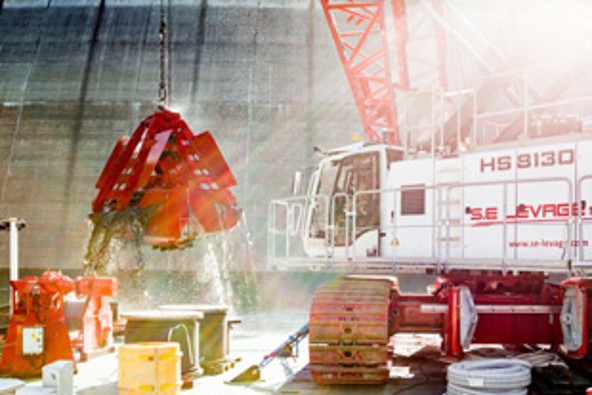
<point>435,108</point>
<point>294,243</point>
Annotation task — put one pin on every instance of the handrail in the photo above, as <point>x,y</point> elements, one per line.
<point>437,118</point>
<point>442,224</point>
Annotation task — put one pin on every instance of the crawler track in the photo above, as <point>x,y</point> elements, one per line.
<point>349,332</point>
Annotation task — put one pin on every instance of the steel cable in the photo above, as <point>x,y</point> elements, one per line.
<point>162,83</point>
<point>542,358</point>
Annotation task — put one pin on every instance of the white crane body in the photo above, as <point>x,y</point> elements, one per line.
<point>513,209</point>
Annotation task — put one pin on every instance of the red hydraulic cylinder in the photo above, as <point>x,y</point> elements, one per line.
<point>452,337</point>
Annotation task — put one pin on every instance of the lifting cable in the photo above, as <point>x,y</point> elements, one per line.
<point>165,55</point>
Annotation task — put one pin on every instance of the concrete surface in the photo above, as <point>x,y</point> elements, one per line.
<point>257,336</point>
<point>418,365</point>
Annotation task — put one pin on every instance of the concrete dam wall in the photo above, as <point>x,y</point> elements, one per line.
<point>263,77</point>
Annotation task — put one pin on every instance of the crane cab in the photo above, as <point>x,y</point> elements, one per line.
<point>342,214</point>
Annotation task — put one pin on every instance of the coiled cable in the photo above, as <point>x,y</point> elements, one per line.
<point>489,377</point>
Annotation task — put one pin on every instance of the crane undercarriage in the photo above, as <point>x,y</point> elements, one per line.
<point>353,319</point>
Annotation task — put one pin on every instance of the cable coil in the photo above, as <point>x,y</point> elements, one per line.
<point>489,377</point>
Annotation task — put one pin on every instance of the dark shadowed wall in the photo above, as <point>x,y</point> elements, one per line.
<point>76,75</point>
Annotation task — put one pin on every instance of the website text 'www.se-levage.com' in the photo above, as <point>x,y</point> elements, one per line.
<point>543,243</point>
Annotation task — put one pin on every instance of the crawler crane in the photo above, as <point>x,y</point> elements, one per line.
<point>493,217</point>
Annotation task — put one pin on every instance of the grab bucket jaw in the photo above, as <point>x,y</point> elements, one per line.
<point>179,180</point>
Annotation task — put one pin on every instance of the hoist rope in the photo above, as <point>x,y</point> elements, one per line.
<point>169,51</point>
<point>162,84</point>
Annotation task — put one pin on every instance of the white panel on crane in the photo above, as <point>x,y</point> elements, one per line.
<point>411,227</point>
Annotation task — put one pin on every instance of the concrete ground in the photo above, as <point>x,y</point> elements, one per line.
<point>256,337</point>
<point>418,366</point>
<point>250,341</point>
<point>417,369</point>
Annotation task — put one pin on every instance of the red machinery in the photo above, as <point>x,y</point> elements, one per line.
<point>352,319</point>
<point>38,334</point>
<point>363,53</point>
<point>96,321</point>
<point>181,180</point>
<point>358,30</point>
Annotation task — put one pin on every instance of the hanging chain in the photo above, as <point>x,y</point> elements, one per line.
<point>162,85</point>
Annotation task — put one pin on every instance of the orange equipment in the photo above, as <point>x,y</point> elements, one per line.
<point>38,334</point>
<point>96,322</point>
<point>180,180</point>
